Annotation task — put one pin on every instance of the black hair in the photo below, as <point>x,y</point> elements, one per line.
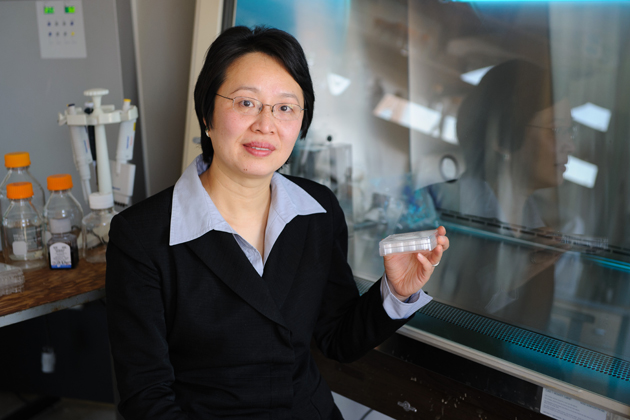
<point>234,43</point>
<point>499,108</point>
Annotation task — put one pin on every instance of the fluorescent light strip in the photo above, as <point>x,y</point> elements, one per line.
<point>580,172</point>
<point>417,117</point>
<point>593,116</point>
<point>538,1</point>
<point>475,76</point>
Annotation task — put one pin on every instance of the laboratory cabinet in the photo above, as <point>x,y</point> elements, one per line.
<point>61,313</point>
<point>507,123</point>
<point>391,381</point>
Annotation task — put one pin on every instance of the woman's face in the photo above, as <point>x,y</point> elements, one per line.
<point>546,147</point>
<point>257,145</point>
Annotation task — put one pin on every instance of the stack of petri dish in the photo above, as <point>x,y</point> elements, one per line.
<point>405,243</point>
<point>11,279</point>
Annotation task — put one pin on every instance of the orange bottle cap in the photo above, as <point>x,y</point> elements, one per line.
<point>59,182</point>
<point>19,190</point>
<point>17,160</point>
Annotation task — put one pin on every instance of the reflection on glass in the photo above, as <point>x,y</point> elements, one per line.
<point>592,116</point>
<point>337,84</point>
<point>516,140</point>
<point>505,122</point>
<point>408,114</point>
<point>529,248</point>
<point>581,172</point>
<point>474,77</point>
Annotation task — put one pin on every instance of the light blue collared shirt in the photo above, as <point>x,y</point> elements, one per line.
<point>194,214</point>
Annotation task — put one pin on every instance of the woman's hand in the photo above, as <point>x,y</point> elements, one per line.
<point>408,273</point>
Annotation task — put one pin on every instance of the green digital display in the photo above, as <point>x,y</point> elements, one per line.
<point>69,9</point>
<point>49,10</point>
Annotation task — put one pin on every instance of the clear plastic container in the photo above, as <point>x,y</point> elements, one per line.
<point>405,243</point>
<point>96,227</point>
<point>17,165</point>
<point>22,229</point>
<point>63,252</point>
<point>11,279</point>
<point>62,205</point>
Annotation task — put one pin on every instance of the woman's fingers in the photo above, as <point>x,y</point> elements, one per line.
<point>442,239</point>
<point>435,256</point>
<point>399,268</point>
<point>426,263</point>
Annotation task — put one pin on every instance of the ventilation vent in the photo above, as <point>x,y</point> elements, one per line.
<point>533,341</point>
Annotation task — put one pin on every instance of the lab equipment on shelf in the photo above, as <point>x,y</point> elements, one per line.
<point>22,229</point>
<point>63,250</point>
<point>11,279</point>
<point>96,226</point>
<point>404,243</point>
<point>18,164</point>
<point>330,164</point>
<point>126,135</point>
<point>120,179</point>
<point>81,150</point>
<point>62,205</point>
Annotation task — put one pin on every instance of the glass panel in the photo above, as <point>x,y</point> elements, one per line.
<point>508,122</point>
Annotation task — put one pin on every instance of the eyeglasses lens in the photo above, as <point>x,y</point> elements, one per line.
<point>250,106</point>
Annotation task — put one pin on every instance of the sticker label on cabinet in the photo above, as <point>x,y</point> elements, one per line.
<point>561,407</point>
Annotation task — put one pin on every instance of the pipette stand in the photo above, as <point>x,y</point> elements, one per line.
<point>102,115</point>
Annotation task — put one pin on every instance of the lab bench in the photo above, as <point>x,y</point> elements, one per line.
<point>47,291</point>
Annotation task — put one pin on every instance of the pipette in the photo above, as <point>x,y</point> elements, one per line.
<point>81,152</point>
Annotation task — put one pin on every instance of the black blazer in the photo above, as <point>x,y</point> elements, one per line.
<point>196,333</point>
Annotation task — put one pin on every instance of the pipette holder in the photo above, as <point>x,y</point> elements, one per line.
<point>101,115</point>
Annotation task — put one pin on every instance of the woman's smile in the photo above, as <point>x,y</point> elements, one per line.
<point>259,149</point>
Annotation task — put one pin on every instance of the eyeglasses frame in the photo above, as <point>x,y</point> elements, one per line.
<point>263,105</point>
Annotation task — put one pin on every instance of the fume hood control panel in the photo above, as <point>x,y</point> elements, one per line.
<point>61,29</point>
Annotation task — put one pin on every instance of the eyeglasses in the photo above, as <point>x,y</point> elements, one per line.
<point>253,107</point>
<point>569,131</point>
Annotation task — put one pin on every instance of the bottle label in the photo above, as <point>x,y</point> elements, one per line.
<point>19,248</point>
<point>60,255</point>
<point>26,240</point>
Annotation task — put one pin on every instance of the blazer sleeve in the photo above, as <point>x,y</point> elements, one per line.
<point>348,325</point>
<point>137,328</point>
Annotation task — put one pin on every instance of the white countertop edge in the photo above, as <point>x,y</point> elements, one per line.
<point>50,307</point>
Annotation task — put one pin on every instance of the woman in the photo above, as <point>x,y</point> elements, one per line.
<point>217,285</point>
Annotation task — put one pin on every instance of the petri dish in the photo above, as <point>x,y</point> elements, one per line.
<point>405,243</point>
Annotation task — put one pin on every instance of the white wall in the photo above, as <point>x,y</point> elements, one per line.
<point>153,72</point>
<point>33,90</point>
<point>163,35</point>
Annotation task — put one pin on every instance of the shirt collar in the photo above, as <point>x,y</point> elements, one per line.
<point>194,214</point>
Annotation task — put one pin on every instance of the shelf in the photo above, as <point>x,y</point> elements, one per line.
<point>47,291</point>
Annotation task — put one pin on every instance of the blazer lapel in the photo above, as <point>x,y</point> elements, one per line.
<point>284,259</point>
<point>220,252</point>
